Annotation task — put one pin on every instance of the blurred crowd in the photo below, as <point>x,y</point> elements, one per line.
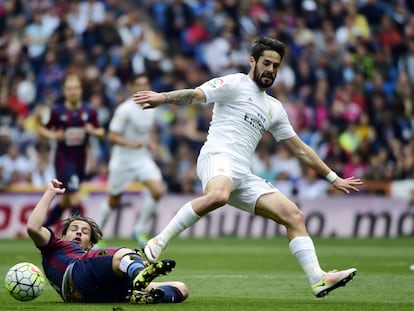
<point>346,81</point>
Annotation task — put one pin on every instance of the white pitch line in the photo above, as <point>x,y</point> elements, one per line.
<point>235,276</point>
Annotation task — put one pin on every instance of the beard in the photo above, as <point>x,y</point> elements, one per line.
<point>258,79</point>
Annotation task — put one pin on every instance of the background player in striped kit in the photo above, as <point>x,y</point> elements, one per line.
<point>70,124</point>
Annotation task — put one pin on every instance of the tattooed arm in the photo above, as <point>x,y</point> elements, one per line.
<point>150,99</point>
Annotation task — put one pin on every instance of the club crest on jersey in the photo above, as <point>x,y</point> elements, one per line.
<point>84,116</point>
<point>270,113</point>
<point>215,83</point>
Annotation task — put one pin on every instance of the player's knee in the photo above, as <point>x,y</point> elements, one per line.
<point>122,258</point>
<point>157,194</point>
<point>75,198</point>
<point>182,287</point>
<point>217,198</point>
<point>295,216</point>
<point>114,202</point>
<point>175,292</point>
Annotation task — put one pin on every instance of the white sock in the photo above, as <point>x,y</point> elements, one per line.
<point>184,219</point>
<point>304,251</point>
<point>148,210</point>
<point>104,216</point>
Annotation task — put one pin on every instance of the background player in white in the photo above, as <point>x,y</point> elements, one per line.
<point>131,159</point>
<point>242,113</point>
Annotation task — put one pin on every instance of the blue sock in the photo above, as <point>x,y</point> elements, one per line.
<point>134,268</point>
<point>171,295</point>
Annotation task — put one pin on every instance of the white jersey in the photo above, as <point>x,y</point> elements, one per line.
<point>134,124</point>
<point>242,113</point>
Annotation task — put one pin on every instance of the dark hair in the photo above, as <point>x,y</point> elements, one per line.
<point>262,44</point>
<point>96,232</point>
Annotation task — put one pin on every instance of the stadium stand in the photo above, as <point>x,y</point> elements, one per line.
<point>347,81</point>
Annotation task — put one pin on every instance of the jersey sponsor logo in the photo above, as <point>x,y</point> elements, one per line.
<point>255,122</point>
<point>75,136</point>
<point>215,83</point>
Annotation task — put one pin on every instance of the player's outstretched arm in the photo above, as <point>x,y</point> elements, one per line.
<point>39,234</point>
<point>150,99</point>
<point>309,157</point>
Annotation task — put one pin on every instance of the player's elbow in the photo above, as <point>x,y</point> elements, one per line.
<point>39,235</point>
<point>32,229</point>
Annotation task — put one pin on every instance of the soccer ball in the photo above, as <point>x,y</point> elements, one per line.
<point>24,281</point>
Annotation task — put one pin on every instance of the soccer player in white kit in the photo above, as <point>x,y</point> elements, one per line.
<point>242,113</point>
<point>130,132</point>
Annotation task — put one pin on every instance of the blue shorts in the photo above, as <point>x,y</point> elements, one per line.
<point>70,176</point>
<point>97,282</point>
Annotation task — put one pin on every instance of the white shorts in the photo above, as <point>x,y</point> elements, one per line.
<point>247,188</point>
<point>121,175</point>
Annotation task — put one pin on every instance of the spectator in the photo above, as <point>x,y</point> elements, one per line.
<point>36,36</point>
<point>339,43</point>
<point>16,167</point>
<point>311,186</point>
<point>374,13</point>
<point>179,17</point>
<point>44,170</point>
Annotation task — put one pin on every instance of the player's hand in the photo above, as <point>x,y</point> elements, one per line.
<point>60,135</point>
<point>348,184</point>
<point>89,128</point>
<point>149,99</point>
<point>56,186</point>
<point>137,145</point>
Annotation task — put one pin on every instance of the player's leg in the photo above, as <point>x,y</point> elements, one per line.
<point>109,205</point>
<point>57,210</point>
<point>100,278</point>
<point>70,182</point>
<point>75,203</point>
<point>75,177</point>
<point>279,208</point>
<point>118,179</point>
<point>214,172</point>
<point>106,209</point>
<point>216,195</point>
<point>147,210</point>
<point>150,175</point>
<point>174,291</point>
<point>128,262</point>
<point>70,200</point>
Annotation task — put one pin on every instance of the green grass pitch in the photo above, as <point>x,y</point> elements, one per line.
<point>255,274</point>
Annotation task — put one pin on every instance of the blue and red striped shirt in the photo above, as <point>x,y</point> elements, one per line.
<point>70,157</point>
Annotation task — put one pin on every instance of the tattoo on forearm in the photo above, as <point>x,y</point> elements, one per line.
<point>181,97</point>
